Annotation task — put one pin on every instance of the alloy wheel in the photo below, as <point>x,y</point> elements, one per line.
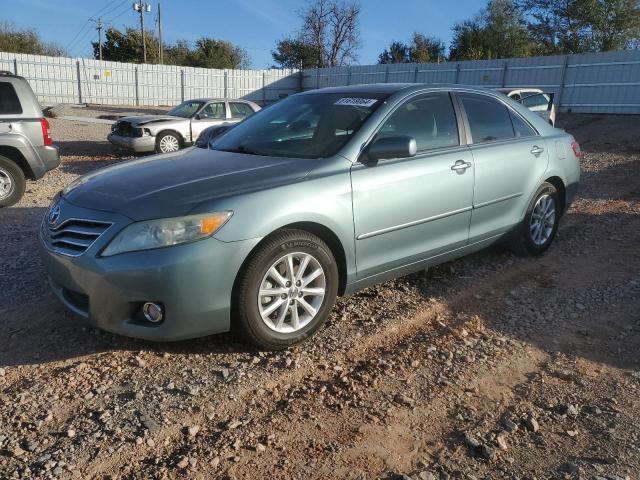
<point>169,143</point>
<point>6,184</point>
<point>291,292</point>
<point>543,219</point>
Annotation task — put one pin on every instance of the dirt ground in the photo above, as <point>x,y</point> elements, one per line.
<point>489,367</point>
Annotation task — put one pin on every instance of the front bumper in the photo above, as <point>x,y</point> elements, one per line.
<point>193,282</point>
<point>137,144</point>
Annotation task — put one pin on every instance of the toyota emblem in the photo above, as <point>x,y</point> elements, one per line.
<point>54,215</point>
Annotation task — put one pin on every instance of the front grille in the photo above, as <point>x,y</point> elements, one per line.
<point>73,236</point>
<point>125,129</point>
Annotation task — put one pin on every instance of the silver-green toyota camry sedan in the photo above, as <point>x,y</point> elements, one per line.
<point>319,195</point>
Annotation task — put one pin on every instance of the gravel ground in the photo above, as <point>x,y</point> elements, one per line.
<point>492,366</point>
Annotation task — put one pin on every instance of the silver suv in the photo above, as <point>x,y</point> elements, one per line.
<point>26,148</point>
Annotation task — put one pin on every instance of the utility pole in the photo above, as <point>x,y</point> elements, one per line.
<point>142,8</point>
<point>160,48</point>
<point>99,27</point>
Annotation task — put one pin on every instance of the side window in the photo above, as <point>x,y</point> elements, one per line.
<point>488,118</point>
<point>9,102</point>
<point>240,110</point>
<point>430,119</point>
<point>213,110</point>
<point>536,100</point>
<point>520,127</point>
<point>516,97</point>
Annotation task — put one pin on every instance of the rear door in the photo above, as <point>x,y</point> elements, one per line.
<point>409,209</point>
<point>509,160</point>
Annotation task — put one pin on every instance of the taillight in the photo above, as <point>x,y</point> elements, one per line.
<point>44,123</point>
<point>577,151</point>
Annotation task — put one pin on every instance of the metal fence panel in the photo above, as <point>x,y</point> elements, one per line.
<point>607,82</point>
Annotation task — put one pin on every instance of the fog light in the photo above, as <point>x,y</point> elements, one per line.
<point>153,312</point>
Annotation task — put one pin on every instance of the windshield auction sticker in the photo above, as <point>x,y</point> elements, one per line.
<point>356,102</point>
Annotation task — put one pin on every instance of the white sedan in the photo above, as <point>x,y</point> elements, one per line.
<point>535,100</point>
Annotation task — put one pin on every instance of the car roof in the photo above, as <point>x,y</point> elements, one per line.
<point>392,88</point>
<point>218,100</point>
<point>515,89</point>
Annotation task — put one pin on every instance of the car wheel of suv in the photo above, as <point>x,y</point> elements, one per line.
<point>286,291</point>
<point>12,182</point>
<point>167,142</point>
<point>540,222</point>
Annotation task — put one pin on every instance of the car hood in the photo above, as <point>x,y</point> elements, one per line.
<point>146,119</point>
<point>175,184</point>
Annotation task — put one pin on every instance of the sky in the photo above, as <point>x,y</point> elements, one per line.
<point>255,25</point>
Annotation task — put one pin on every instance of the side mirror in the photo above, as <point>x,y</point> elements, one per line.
<point>391,147</point>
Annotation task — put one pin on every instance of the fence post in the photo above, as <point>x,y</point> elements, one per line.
<point>504,73</point>
<point>15,66</point>
<point>349,75</point>
<point>226,84</point>
<point>301,72</point>
<point>386,74</point>
<point>415,74</point>
<point>137,86</point>
<point>264,89</point>
<point>457,73</point>
<point>562,80</point>
<point>79,82</point>
<point>317,78</point>
<point>182,85</point>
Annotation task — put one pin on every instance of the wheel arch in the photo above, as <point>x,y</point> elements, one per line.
<point>18,158</point>
<point>561,188</point>
<point>323,232</point>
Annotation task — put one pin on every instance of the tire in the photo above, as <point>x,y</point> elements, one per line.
<point>530,240</point>
<point>12,182</point>
<point>168,139</point>
<point>250,308</point>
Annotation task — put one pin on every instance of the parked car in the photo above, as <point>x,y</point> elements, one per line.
<point>211,133</point>
<point>26,147</point>
<point>180,127</point>
<point>261,232</point>
<point>535,100</point>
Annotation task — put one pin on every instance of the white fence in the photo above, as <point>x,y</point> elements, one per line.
<point>607,82</point>
<point>79,80</point>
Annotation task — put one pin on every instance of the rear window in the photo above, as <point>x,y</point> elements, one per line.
<point>240,110</point>
<point>9,103</point>
<point>488,118</point>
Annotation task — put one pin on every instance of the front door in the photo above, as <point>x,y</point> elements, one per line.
<point>409,209</point>
<point>213,113</point>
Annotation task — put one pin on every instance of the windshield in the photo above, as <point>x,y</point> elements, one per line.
<point>305,126</point>
<point>186,109</point>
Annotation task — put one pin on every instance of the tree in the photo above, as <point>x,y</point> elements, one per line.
<point>425,49</point>
<point>498,31</point>
<point>329,36</point>
<point>296,53</point>
<point>207,52</point>
<point>211,53</point>
<point>422,49</point>
<point>15,40</point>
<point>576,26</point>
<point>397,52</point>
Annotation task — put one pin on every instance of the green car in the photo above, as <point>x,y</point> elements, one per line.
<point>322,194</point>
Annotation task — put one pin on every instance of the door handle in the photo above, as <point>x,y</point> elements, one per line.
<point>460,166</point>
<point>536,150</point>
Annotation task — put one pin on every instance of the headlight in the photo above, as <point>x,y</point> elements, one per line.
<point>166,232</point>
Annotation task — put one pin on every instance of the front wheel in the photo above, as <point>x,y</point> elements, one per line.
<point>12,182</point>
<point>540,224</point>
<point>287,290</point>
<point>167,142</point>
